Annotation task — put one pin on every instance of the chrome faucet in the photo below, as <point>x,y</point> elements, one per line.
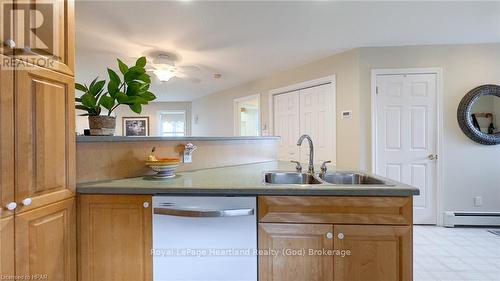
<point>310,169</point>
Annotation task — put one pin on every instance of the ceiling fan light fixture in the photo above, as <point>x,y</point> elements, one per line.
<point>164,74</point>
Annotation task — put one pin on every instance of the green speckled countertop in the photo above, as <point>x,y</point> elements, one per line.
<point>241,180</point>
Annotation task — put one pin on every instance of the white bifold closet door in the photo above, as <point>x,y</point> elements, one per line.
<point>307,111</point>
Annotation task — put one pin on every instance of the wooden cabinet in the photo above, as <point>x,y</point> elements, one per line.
<point>293,261</point>
<point>115,237</point>
<point>378,253</point>
<point>37,141</point>
<point>7,246</point>
<point>6,139</point>
<point>45,118</point>
<point>50,45</point>
<point>362,250</point>
<point>46,242</point>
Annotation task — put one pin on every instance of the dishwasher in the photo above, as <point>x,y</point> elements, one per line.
<point>204,238</point>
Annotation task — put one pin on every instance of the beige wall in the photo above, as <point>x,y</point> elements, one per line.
<point>151,110</point>
<point>469,169</point>
<point>215,112</point>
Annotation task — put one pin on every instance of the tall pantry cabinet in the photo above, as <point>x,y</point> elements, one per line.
<point>37,152</point>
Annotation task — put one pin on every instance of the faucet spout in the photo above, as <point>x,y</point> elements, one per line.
<point>310,169</point>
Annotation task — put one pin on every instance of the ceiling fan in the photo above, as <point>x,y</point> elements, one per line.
<point>162,64</point>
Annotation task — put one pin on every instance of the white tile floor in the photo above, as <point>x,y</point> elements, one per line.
<point>455,254</point>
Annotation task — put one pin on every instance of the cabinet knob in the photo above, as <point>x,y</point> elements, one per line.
<point>329,235</point>
<point>10,43</point>
<point>340,236</point>
<point>27,201</point>
<point>11,206</point>
<point>145,204</point>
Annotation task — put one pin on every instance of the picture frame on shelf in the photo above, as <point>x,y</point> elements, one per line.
<point>135,126</point>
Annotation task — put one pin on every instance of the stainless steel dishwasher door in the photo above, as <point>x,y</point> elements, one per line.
<point>204,238</point>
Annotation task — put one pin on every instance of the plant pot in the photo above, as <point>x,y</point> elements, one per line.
<point>102,125</point>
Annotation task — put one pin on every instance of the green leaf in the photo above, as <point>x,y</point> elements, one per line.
<point>136,107</point>
<point>113,76</point>
<point>81,107</point>
<point>145,78</point>
<point>148,96</point>
<point>92,83</point>
<point>89,100</point>
<point>141,62</point>
<point>144,87</point>
<point>97,88</point>
<point>113,88</point>
<point>122,98</point>
<point>107,102</point>
<point>123,67</point>
<point>133,73</point>
<point>81,87</point>
<point>78,100</point>
<point>133,88</point>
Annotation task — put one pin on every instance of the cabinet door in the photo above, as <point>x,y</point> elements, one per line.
<point>6,27</point>
<point>46,242</point>
<point>45,122</point>
<point>378,253</point>
<point>7,246</point>
<point>51,43</point>
<point>6,139</point>
<point>115,237</point>
<point>290,266</point>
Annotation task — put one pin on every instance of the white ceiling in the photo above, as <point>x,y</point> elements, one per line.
<point>248,40</point>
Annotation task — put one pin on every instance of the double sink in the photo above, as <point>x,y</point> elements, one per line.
<point>340,178</point>
<point>325,178</point>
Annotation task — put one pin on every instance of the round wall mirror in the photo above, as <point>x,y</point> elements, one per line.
<point>479,114</point>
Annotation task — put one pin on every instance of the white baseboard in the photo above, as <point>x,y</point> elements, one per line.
<point>452,219</point>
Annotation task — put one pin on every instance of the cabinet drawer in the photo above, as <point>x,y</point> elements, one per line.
<point>336,210</point>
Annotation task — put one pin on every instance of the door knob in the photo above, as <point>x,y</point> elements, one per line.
<point>432,157</point>
<point>340,236</point>
<point>329,235</point>
<point>27,201</point>
<point>10,43</point>
<point>145,204</point>
<point>11,206</point>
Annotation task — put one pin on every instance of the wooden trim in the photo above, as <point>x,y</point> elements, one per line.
<point>336,210</point>
<point>6,139</point>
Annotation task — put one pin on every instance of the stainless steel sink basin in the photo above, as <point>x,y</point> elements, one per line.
<point>350,178</point>
<point>290,178</point>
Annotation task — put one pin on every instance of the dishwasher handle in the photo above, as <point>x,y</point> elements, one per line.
<point>204,213</point>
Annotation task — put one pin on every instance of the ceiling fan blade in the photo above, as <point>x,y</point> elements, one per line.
<point>189,68</point>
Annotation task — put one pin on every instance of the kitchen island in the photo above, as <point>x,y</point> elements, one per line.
<point>318,231</point>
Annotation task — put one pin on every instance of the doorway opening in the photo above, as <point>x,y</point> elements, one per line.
<point>247,116</point>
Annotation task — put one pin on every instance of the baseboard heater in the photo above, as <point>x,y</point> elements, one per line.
<point>452,219</point>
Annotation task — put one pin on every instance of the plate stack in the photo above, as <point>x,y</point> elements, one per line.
<point>164,167</point>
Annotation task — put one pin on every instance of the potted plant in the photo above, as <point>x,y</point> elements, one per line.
<point>131,89</point>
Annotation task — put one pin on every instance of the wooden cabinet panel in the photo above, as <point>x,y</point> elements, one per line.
<point>46,242</point>
<point>45,158</point>
<point>7,246</point>
<point>6,31</point>
<point>378,253</point>
<point>51,44</point>
<point>115,238</point>
<point>6,139</point>
<point>283,267</point>
<point>336,210</point>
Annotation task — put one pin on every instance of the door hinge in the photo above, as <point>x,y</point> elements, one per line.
<point>376,90</point>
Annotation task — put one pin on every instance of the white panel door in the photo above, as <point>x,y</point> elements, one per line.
<point>407,135</point>
<point>286,125</point>
<point>317,119</point>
